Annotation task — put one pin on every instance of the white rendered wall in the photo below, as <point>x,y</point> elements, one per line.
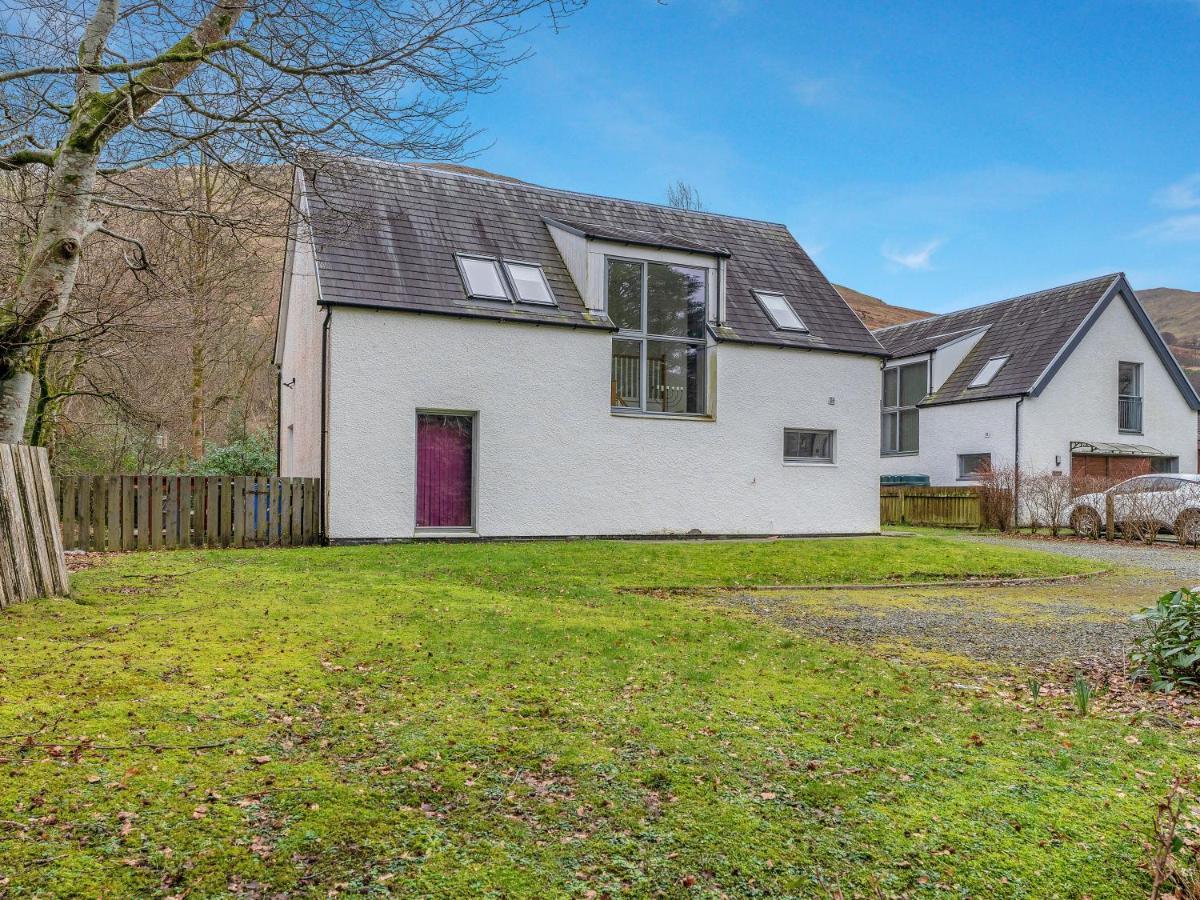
<point>552,458</point>
<point>1080,402</point>
<point>300,404</point>
<point>985,426</point>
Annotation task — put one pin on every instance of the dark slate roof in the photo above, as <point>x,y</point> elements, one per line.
<point>658,239</point>
<point>1030,330</point>
<point>386,235</point>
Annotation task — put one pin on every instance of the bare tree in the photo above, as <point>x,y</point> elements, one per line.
<point>682,195</point>
<point>91,90</point>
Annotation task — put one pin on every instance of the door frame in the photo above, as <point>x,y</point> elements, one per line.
<point>473,415</point>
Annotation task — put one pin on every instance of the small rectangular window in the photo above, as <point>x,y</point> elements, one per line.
<point>972,466</point>
<point>780,311</point>
<point>529,281</point>
<point>989,371</point>
<point>806,445</point>
<point>481,275</point>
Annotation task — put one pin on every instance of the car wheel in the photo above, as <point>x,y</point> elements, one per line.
<point>1086,523</point>
<point>1187,527</point>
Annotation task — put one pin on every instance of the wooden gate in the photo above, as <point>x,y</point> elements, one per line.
<point>31,550</point>
<point>163,512</point>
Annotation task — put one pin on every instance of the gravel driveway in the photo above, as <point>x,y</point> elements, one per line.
<point>1035,626</point>
<point>1172,561</point>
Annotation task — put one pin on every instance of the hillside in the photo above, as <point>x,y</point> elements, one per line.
<point>1176,312</point>
<point>875,312</point>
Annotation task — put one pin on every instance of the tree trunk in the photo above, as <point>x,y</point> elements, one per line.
<point>197,399</point>
<point>14,406</point>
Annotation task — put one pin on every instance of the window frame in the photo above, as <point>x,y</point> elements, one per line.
<point>1137,399</point>
<point>895,412</point>
<point>643,337</point>
<point>473,415</point>
<point>482,257</point>
<point>972,476</point>
<point>506,262</point>
<point>758,296</point>
<point>976,382</point>
<point>811,460</point>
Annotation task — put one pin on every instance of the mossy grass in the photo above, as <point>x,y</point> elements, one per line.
<point>511,720</point>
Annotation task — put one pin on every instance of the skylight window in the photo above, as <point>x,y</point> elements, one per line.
<point>780,311</point>
<point>481,275</point>
<point>530,283</point>
<point>989,371</point>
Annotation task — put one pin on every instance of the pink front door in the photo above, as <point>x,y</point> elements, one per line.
<point>445,467</point>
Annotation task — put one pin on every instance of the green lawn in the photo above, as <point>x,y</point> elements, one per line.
<point>512,720</point>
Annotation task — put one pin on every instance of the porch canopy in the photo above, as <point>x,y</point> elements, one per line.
<point>1104,448</point>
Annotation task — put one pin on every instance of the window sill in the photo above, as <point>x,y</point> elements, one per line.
<point>639,414</point>
<point>810,464</point>
<point>887,453</point>
<point>1131,433</point>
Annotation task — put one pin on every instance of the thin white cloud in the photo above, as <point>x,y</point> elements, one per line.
<point>914,259</point>
<point>1174,229</point>
<point>1183,194</point>
<point>813,92</point>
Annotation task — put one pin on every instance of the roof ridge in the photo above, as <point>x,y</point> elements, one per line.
<point>506,182</point>
<point>1110,277</point>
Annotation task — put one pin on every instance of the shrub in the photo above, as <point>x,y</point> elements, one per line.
<point>1168,655</point>
<point>253,454</point>
<point>996,493</point>
<point>1047,498</point>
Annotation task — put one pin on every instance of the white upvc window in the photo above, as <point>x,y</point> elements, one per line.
<point>989,371</point>
<point>489,278</point>
<point>780,311</point>
<point>482,277</point>
<point>809,445</point>
<point>529,283</point>
<point>973,466</point>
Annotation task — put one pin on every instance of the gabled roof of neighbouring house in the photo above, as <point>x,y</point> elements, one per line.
<point>1037,332</point>
<point>386,235</point>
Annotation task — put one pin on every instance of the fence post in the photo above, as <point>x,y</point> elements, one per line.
<point>1110,530</point>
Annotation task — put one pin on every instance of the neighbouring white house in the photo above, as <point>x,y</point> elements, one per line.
<point>1073,380</point>
<point>462,354</point>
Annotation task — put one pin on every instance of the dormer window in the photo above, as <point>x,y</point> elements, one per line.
<point>780,311</point>
<point>529,282</point>
<point>658,356</point>
<point>481,275</point>
<point>989,371</point>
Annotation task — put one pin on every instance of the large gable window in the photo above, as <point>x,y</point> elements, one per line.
<point>903,388</point>
<point>658,358</point>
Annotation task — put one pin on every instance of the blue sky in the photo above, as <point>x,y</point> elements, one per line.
<point>936,155</point>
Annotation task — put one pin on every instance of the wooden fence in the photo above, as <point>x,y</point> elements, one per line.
<point>949,507</point>
<point>157,512</point>
<point>31,549</point>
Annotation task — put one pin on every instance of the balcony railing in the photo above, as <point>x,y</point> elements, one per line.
<point>1129,414</point>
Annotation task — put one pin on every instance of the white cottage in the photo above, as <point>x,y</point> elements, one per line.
<point>1074,380</point>
<point>467,355</point>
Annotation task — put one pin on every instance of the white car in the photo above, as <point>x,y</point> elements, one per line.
<point>1170,501</point>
